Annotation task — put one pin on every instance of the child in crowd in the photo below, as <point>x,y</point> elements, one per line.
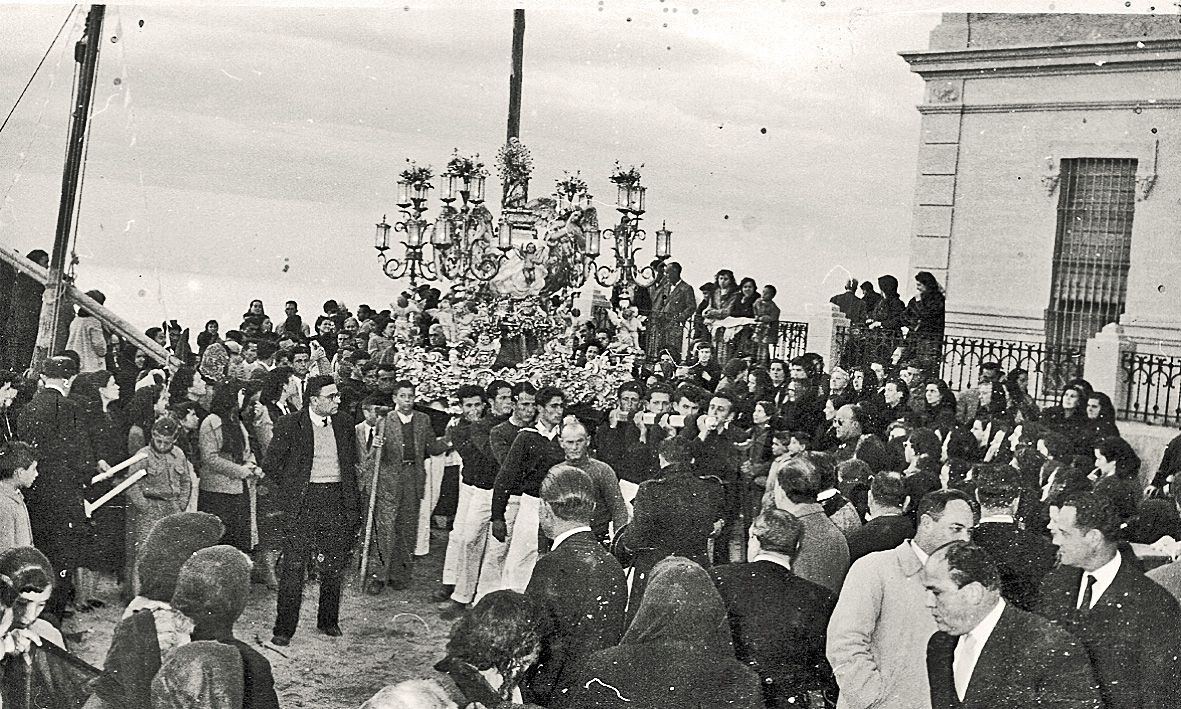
<point>165,490</point>
<point>628,325</point>
<point>18,470</point>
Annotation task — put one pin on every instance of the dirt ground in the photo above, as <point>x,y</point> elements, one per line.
<point>387,639</point>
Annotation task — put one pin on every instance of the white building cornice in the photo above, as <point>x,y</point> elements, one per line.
<point>1065,58</point>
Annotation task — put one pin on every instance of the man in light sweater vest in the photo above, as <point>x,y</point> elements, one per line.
<point>406,441</point>
<point>313,460</point>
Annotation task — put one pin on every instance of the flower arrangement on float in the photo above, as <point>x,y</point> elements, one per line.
<point>436,375</point>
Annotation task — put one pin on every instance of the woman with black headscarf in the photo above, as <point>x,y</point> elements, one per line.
<point>885,320</point>
<point>676,654</point>
<point>924,317</point>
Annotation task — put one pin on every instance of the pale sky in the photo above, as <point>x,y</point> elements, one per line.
<point>778,138</point>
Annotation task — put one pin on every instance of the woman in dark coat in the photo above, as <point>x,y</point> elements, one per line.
<point>129,362</point>
<point>1069,419</point>
<point>940,411</point>
<point>1020,401</point>
<point>1117,467</point>
<point>885,320</point>
<point>24,311</point>
<point>96,392</point>
<point>1100,418</point>
<point>676,654</point>
<point>925,317</point>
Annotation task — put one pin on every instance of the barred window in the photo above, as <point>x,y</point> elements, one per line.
<point>1092,247</point>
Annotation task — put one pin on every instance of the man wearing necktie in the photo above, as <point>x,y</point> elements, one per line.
<point>1130,626</point>
<point>312,461</point>
<point>407,441</point>
<point>988,653</point>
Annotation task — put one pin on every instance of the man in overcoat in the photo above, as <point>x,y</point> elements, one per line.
<point>673,303</point>
<point>312,465</point>
<point>406,442</point>
<point>53,423</point>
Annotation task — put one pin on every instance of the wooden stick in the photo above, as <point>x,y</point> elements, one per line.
<point>90,507</point>
<point>110,472</point>
<point>372,502</point>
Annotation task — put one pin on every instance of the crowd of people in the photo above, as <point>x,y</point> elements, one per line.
<point>730,529</point>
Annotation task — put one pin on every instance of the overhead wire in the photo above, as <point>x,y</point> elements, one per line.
<point>39,65</point>
<point>25,154</point>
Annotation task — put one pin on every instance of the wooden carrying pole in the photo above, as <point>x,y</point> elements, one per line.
<point>369,513</point>
<point>54,301</point>
<point>107,317</point>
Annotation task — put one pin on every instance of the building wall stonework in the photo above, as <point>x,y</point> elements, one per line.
<point>1007,98</point>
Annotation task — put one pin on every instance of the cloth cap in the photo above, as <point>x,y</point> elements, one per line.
<point>60,367</point>
<point>169,545</point>
<point>213,585</point>
<point>165,426</point>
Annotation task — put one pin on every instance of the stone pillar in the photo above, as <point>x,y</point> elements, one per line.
<point>823,337</point>
<point>1102,367</point>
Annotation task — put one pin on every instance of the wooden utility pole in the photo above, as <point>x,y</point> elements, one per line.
<point>54,302</point>
<point>514,81</point>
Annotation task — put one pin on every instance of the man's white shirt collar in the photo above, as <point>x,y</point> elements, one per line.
<point>317,419</point>
<point>970,654</point>
<point>775,558</point>
<point>404,418</point>
<point>567,534</point>
<point>922,555</point>
<point>1104,575</point>
<point>1008,519</point>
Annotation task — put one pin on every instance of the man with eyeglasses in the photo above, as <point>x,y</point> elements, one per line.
<point>311,462</point>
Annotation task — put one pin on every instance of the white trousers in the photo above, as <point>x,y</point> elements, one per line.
<point>522,547</point>
<point>492,567</point>
<point>467,542</point>
<point>435,466</point>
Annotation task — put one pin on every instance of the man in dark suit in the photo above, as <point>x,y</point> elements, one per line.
<point>989,654</point>
<point>53,423</point>
<point>580,586</point>
<point>673,515</point>
<point>313,460</point>
<point>778,620</point>
<point>887,526</point>
<point>1022,558</point>
<point>1130,626</point>
<point>715,437</point>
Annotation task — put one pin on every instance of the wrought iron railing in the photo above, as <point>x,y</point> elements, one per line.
<point>1049,366</point>
<point>792,341</point>
<point>857,347</point>
<point>1153,385</point>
